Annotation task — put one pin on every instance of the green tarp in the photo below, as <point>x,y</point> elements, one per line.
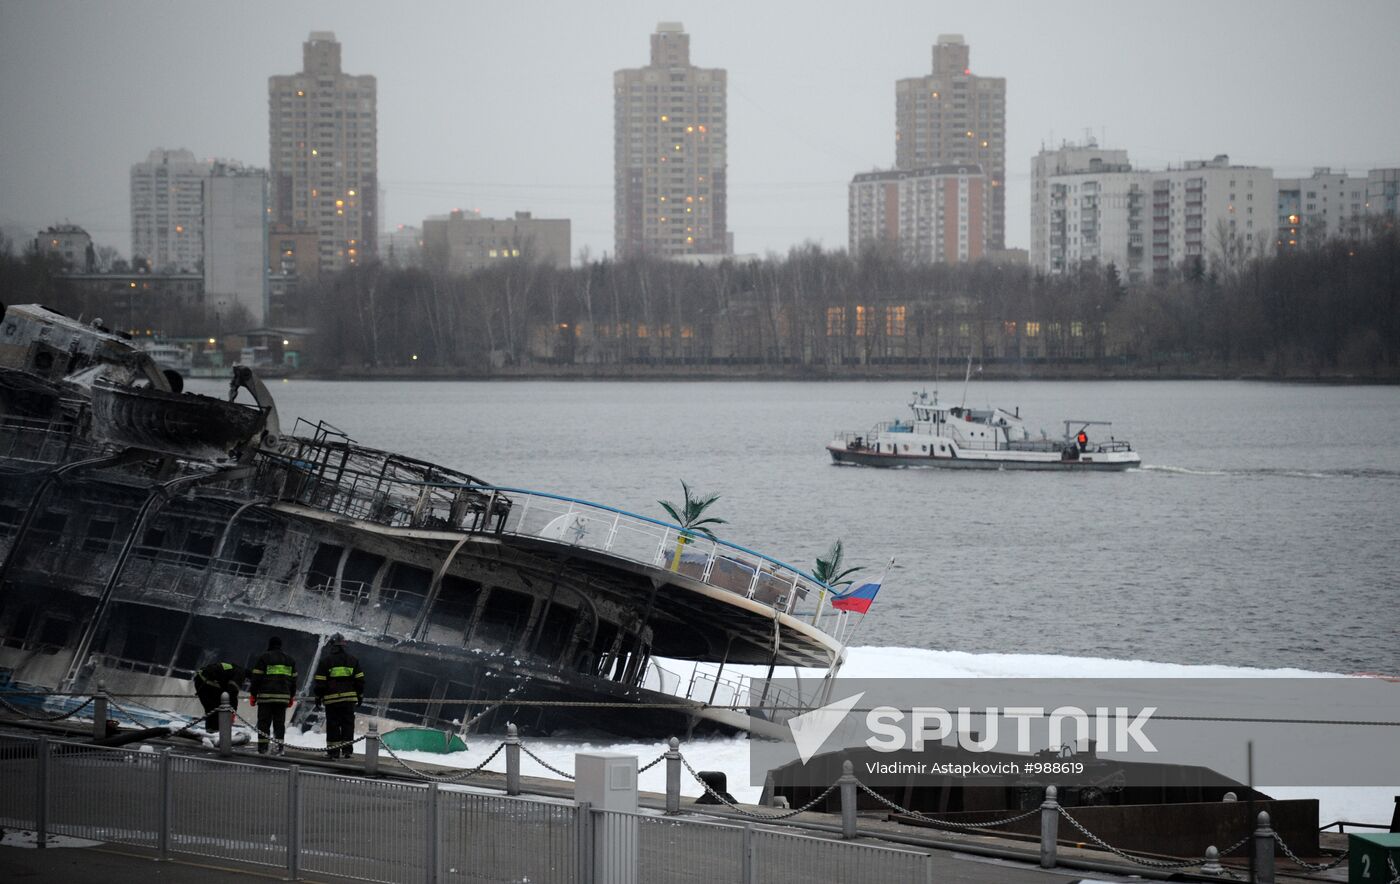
<point>423,739</point>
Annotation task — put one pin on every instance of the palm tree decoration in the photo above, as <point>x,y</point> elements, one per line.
<point>691,518</point>
<point>829,570</point>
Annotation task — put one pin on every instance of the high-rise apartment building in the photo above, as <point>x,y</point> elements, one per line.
<point>953,116</point>
<point>1047,229</point>
<point>936,215</point>
<point>1383,193</point>
<point>324,154</point>
<point>1326,206</point>
<point>167,210</point>
<point>235,239</point>
<point>669,153</point>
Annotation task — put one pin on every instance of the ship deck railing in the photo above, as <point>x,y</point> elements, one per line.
<point>398,502</point>
<point>40,441</point>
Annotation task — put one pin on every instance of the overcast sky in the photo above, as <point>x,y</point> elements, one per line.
<point>508,106</point>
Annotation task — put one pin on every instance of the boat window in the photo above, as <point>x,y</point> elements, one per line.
<point>197,549</point>
<point>447,621</point>
<point>99,534</point>
<point>558,627</point>
<point>247,557</point>
<point>9,518</point>
<point>359,572</point>
<point>324,564</point>
<point>152,542</point>
<point>411,685</point>
<point>505,615</point>
<point>50,523</point>
<point>15,633</point>
<point>53,631</point>
<point>402,596</point>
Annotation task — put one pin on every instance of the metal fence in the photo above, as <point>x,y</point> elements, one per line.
<point>388,831</point>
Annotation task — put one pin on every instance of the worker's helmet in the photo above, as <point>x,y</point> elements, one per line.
<point>337,639</point>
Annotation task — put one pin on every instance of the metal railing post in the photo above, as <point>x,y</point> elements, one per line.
<point>41,793</point>
<point>99,712</point>
<point>750,868</point>
<point>512,760</point>
<point>1263,851</point>
<point>294,822</point>
<point>225,725</point>
<point>167,803</point>
<point>848,800</point>
<point>372,750</point>
<point>1212,864</point>
<point>434,834</point>
<point>1049,827</point>
<point>584,837</point>
<point>673,776</point>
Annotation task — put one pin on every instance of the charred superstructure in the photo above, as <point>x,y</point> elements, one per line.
<point>145,530</point>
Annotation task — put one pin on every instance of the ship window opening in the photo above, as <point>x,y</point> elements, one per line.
<point>53,633</point>
<point>321,575</point>
<point>15,634</point>
<point>402,596</point>
<point>99,535</point>
<point>358,575</point>
<point>447,621</point>
<point>9,518</point>
<point>459,711</point>
<point>51,523</point>
<point>151,543</point>
<point>594,659</point>
<point>558,627</point>
<point>247,557</point>
<point>197,549</point>
<point>412,685</point>
<point>505,614</point>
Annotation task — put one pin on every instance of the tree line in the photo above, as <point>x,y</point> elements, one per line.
<point>1329,309</point>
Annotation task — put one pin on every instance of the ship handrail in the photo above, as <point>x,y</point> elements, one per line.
<point>374,499</point>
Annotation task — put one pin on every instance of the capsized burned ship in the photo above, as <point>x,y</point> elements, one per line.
<point>145,531</point>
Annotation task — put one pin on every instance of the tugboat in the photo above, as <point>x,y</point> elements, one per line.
<point>145,531</point>
<point>956,437</point>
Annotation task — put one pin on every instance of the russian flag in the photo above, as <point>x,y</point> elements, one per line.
<point>857,599</point>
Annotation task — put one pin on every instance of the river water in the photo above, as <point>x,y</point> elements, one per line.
<point>1262,531</point>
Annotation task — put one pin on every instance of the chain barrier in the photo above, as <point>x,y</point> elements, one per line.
<point>439,778</point>
<point>1149,863</point>
<point>650,764</point>
<point>750,814</point>
<point>45,718</point>
<point>937,822</point>
<point>1307,865</point>
<point>545,764</point>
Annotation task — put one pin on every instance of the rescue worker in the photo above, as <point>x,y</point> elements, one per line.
<point>213,680</point>
<point>272,690</point>
<point>340,685</point>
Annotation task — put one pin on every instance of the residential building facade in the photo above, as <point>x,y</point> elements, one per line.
<point>323,127</point>
<point>167,210</point>
<point>464,241</point>
<point>1383,193</point>
<point>1068,159</point>
<point>953,116</point>
<point>235,239</point>
<point>670,155</point>
<point>935,215</point>
<point>1325,206</point>
<point>1149,223</point>
<point>69,243</point>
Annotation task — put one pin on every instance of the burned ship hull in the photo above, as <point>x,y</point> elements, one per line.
<point>129,560</point>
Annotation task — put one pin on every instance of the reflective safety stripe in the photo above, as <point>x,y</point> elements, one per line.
<point>279,669</point>
<point>340,698</point>
<point>342,672</point>
<point>273,698</point>
<point>320,678</point>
